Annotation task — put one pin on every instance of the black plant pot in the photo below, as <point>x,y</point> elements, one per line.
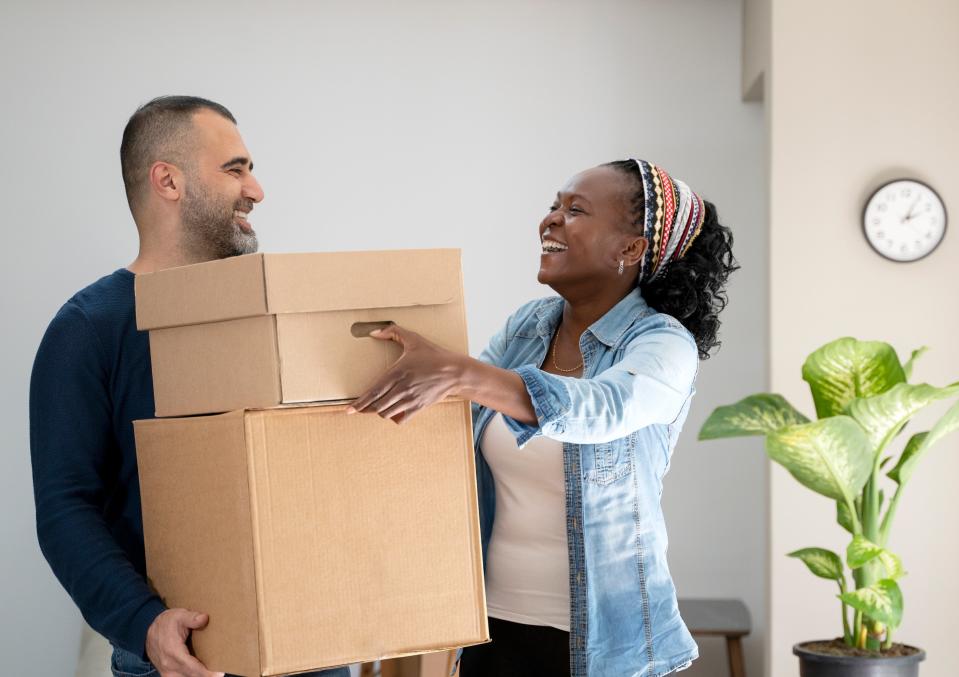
<point>822,665</point>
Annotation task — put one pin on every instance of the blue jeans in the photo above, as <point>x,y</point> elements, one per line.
<point>126,664</point>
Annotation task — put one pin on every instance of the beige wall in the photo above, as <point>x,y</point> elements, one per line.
<point>862,92</point>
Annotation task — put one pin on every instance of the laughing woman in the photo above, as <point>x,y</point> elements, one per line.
<point>578,402</point>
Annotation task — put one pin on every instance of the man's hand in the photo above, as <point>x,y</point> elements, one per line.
<point>423,375</point>
<point>166,644</point>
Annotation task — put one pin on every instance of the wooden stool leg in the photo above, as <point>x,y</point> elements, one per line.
<point>734,648</point>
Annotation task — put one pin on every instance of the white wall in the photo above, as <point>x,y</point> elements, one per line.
<point>862,92</point>
<point>385,125</point>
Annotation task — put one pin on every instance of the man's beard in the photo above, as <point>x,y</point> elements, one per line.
<point>209,229</point>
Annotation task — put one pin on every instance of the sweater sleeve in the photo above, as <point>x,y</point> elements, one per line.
<point>74,456</point>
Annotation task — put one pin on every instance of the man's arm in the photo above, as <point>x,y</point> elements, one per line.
<point>74,457</point>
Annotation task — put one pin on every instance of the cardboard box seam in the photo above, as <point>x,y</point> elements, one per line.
<point>262,649</point>
<point>278,356</point>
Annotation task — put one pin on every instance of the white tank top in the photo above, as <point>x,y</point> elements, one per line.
<point>527,564</point>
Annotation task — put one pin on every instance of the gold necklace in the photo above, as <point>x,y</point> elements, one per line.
<point>559,368</point>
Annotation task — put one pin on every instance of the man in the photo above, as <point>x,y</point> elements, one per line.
<point>190,186</point>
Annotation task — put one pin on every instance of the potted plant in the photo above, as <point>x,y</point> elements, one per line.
<point>863,401</point>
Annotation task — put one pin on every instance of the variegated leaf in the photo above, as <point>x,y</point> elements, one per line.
<point>893,565</point>
<point>911,362</point>
<point>920,443</point>
<point>862,551</point>
<point>832,456</point>
<point>881,415</point>
<point>881,601</point>
<point>754,415</point>
<point>843,516</point>
<point>823,563</point>
<point>845,369</point>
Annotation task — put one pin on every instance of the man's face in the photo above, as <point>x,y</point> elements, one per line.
<point>220,191</point>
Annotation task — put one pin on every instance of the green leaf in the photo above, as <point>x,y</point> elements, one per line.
<point>920,443</point>
<point>754,415</point>
<point>846,369</point>
<point>892,564</point>
<point>881,601</point>
<point>881,415</point>
<point>832,456</point>
<point>862,551</point>
<point>843,516</point>
<point>916,354</point>
<point>906,461</point>
<point>824,563</point>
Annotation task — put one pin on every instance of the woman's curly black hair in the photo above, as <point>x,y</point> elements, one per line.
<point>691,289</point>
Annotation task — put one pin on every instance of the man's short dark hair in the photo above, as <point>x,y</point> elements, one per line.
<point>159,130</point>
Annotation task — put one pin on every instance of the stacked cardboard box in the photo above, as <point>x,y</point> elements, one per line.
<point>313,538</point>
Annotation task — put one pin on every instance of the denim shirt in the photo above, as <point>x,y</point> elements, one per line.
<point>618,424</point>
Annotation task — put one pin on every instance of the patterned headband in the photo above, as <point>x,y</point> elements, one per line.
<point>674,217</point>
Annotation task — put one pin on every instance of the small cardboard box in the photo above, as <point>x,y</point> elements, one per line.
<point>262,330</point>
<point>314,538</point>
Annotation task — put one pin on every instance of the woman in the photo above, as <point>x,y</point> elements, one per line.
<point>578,402</point>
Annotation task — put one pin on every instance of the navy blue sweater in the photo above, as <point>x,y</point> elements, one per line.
<point>91,379</point>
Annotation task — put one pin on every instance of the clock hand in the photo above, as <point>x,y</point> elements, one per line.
<point>909,215</point>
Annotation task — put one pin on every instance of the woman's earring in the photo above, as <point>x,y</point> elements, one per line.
<point>621,265</point>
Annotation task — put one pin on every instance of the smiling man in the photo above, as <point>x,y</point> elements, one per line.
<point>190,186</point>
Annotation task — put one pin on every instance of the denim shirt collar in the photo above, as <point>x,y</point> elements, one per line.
<point>608,329</point>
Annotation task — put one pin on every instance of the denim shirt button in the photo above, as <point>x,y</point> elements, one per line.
<point>579,578</point>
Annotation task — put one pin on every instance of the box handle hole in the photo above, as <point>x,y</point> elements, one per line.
<point>363,329</point>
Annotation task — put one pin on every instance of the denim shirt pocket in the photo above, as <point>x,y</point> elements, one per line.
<point>611,461</point>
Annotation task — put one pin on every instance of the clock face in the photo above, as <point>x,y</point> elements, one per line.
<point>904,220</point>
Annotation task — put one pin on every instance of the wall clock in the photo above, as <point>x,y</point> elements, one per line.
<point>904,220</point>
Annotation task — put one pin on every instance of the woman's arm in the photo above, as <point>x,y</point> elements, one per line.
<point>426,374</point>
<point>650,384</point>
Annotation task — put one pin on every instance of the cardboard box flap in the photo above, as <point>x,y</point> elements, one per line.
<point>320,282</point>
<point>204,292</point>
<point>259,284</point>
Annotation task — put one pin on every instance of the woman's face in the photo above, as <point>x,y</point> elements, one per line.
<point>586,232</point>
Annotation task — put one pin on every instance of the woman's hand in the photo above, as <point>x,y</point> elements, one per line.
<point>424,375</point>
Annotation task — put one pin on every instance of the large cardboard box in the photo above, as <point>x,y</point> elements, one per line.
<point>268,329</point>
<point>315,538</point>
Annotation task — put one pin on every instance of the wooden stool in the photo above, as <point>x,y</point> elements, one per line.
<point>727,618</point>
